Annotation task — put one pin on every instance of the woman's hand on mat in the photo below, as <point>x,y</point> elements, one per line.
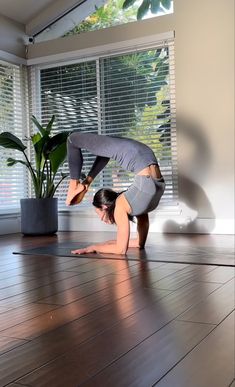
<point>86,250</point>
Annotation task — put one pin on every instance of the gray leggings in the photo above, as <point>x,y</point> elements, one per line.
<point>130,154</point>
<point>144,194</point>
<point>75,142</point>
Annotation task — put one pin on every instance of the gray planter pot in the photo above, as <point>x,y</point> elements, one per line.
<point>39,216</point>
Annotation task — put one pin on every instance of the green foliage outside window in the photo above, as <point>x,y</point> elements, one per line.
<point>116,12</point>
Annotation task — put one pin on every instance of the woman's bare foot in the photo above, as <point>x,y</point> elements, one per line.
<point>75,189</point>
<point>79,196</point>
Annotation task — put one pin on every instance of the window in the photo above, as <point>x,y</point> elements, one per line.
<point>13,180</point>
<point>130,95</point>
<point>98,14</point>
<point>112,14</point>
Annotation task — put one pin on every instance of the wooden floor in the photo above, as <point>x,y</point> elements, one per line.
<point>72,321</point>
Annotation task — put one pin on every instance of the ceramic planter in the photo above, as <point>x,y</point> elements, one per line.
<point>39,216</point>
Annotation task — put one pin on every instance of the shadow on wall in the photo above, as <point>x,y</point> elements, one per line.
<point>194,161</point>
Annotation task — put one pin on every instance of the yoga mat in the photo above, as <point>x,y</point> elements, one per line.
<point>181,254</point>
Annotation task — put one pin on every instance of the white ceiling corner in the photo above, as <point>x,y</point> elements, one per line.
<point>35,15</point>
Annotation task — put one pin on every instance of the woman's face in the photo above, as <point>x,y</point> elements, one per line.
<point>102,214</point>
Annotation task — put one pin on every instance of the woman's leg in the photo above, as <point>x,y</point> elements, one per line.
<point>94,144</point>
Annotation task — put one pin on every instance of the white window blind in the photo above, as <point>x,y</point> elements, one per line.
<point>13,180</point>
<point>130,95</point>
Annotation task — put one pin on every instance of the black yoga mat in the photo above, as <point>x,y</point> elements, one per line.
<point>181,254</point>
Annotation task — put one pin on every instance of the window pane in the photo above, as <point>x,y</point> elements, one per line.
<point>13,182</point>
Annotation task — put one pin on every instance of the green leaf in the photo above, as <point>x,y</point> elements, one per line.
<point>10,141</point>
<point>54,142</point>
<point>143,9</point>
<point>35,138</point>
<point>128,3</point>
<point>38,125</point>
<point>50,124</point>
<point>11,162</point>
<point>57,157</point>
<point>154,6</point>
<point>38,150</point>
<point>56,150</point>
<point>166,4</point>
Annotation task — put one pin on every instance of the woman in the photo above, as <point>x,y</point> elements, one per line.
<point>140,198</point>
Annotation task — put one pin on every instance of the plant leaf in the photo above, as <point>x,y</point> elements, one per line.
<point>55,149</point>
<point>50,124</point>
<point>154,6</point>
<point>38,150</point>
<point>54,142</point>
<point>143,9</point>
<point>10,141</point>
<point>57,157</point>
<point>38,125</point>
<point>11,162</point>
<point>35,138</point>
<point>166,4</point>
<point>128,3</point>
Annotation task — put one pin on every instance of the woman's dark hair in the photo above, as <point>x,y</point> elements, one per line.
<point>107,197</point>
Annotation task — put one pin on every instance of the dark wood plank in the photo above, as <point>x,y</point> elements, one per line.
<point>215,352</point>
<point>49,346</point>
<point>65,314</point>
<point>32,265</point>
<point>17,316</point>
<point>137,347</point>
<point>220,274</point>
<point>34,286</point>
<point>208,273</point>
<point>55,284</point>
<point>137,364</point>
<point>214,308</point>
<point>7,343</point>
<point>176,280</point>
<point>78,292</point>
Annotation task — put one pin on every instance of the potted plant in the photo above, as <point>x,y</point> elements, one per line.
<point>39,215</point>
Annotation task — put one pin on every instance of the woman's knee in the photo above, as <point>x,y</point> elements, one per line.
<point>73,137</point>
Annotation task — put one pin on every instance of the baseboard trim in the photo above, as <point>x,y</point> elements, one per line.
<point>10,224</point>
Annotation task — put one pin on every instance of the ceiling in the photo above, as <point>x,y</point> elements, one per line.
<point>23,11</point>
<point>48,19</point>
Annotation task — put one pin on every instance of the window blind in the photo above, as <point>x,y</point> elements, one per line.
<point>13,180</point>
<point>130,95</point>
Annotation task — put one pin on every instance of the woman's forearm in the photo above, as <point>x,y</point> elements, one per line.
<point>132,242</point>
<point>106,248</point>
<point>142,229</point>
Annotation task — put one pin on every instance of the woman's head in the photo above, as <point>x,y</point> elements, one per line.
<point>104,201</point>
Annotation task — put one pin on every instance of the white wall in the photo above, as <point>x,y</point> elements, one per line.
<point>205,109</point>
<point>204,57</point>
<point>12,37</point>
